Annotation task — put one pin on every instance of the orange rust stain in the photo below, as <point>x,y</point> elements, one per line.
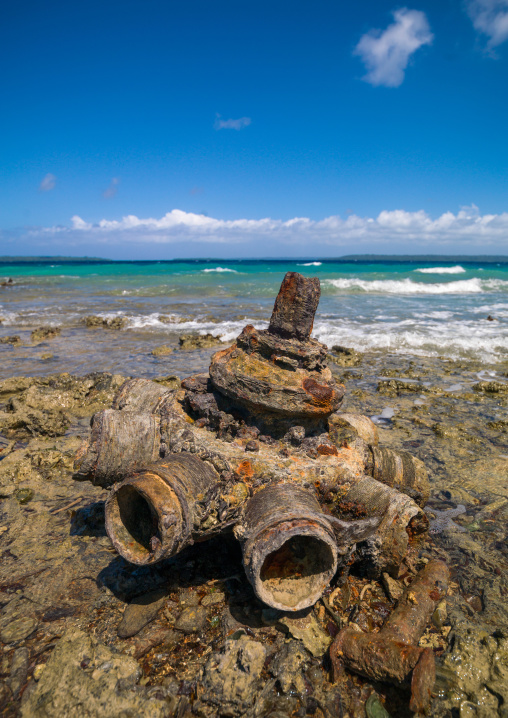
<point>320,392</point>
<point>245,470</point>
<point>326,450</point>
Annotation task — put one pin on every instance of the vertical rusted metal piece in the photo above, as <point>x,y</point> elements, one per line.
<point>295,307</point>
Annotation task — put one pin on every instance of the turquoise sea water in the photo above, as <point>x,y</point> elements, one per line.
<point>426,308</point>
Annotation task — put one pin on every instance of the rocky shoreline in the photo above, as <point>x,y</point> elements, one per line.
<point>84,632</point>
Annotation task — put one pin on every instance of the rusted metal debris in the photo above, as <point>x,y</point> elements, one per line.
<point>393,652</point>
<point>259,447</point>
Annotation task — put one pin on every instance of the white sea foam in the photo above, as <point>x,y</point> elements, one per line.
<point>408,286</point>
<point>221,269</point>
<point>499,311</point>
<point>451,338</point>
<point>438,314</point>
<point>310,264</point>
<point>442,270</point>
<point>227,330</point>
<point>8,318</point>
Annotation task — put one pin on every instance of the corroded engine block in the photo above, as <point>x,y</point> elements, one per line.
<point>259,447</point>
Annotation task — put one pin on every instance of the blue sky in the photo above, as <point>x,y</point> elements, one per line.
<point>156,129</point>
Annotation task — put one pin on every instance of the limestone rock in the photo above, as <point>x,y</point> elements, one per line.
<point>304,627</point>
<point>230,678</point>
<point>198,341</point>
<point>43,333</point>
<point>162,351</point>
<point>344,356</point>
<point>140,611</point>
<point>288,666</point>
<point>93,321</point>
<point>18,630</point>
<point>191,620</point>
<point>85,678</point>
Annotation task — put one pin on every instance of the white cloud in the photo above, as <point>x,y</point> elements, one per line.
<point>238,124</point>
<point>386,54</point>
<point>111,191</point>
<point>465,231</point>
<point>491,18</point>
<point>48,183</point>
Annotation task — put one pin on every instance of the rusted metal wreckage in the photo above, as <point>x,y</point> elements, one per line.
<point>259,447</point>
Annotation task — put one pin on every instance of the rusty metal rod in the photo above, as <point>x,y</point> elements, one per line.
<point>393,653</point>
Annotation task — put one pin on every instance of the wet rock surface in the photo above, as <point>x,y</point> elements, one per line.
<point>42,334</point>
<point>198,341</point>
<point>140,611</point>
<point>59,574</point>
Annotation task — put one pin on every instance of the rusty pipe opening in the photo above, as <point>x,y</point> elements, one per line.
<point>144,519</point>
<point>289,548</point>
<point>152,514</point>
<point>290,571</point>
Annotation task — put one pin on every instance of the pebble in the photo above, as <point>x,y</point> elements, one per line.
<point>393,588</point>
<point>188,597</point>
<point>191,620</point>
<point>164,350</point>
<point>38,671</point>
<point>18,629</point>
<point>212,598</point>
<point>141,611</point>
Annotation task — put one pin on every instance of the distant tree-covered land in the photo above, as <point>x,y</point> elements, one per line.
<point>423,258</point>
<point>53,260</point>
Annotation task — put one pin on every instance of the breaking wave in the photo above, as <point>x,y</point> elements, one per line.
<point>408,286</point>
<point>221,269</point>
<point>310,264</point>
<point>441,270</point>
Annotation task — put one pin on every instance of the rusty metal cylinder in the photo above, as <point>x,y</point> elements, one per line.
<point>156,512</point>
<point>289,548</point>
<point>142,395</point>
<point>358,423</point>
<point>402,522</point>
<point>120,442</point>
<point>402,471</point>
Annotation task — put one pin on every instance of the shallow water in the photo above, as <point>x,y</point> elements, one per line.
<point>406,308</point>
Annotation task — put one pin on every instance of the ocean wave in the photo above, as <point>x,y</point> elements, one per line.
<point>454,339</point>
<point>408,286</point>
<point>227,330</point>
<point>441,270</point>
<point>438,314</point>
<point>221,269</point>
<point>310,264</point>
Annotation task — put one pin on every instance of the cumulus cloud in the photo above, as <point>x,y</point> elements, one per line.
<point>111,191</point>
<point>48,183</point>
<point>490,17</point>
<point>386,53</point>
<point>238,124</point>
<point>464,231</point>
